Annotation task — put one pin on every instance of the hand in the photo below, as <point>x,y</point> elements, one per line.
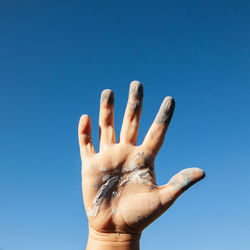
<point>119,187</point>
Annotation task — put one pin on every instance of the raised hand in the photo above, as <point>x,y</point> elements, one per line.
<point>119,187</point>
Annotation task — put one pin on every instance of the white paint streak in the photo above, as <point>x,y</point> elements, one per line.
<point>137,161</point>
<point>132,165</point>
<point>138,176</point>
<point>123,182</point>
<point>101,194</point>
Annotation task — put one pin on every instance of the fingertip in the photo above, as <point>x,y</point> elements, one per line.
<point>166,111</point>
<point>136,89</point>
<point>107,95</point>
<point>195,172</point>
<point>84,124</point>
<point>168,104</point>
<point>201,172</point>
<point>84,117</point>
<point>135,82</point>
<point>169,99</point>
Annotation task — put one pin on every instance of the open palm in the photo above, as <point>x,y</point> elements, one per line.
<point>119,184</point>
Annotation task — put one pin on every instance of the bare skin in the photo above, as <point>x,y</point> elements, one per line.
<point>119,187</point>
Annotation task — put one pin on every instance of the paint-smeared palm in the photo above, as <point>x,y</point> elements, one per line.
<point>119,186</point>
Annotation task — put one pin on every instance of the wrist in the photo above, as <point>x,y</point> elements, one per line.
<point>117,240</point>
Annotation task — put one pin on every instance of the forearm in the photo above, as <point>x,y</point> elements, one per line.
<point>113,241</point>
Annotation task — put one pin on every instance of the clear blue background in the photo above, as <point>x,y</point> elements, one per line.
<point>55,59</point>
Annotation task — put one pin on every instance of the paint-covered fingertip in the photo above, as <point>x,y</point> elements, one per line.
<point>135,82</point>
<point>197,170</point>
<point>107,96</point>
<point>202,173</point>
<point>166,110</point>
<point>196,173</point>
<point>136,89</point>
<point>169,100</point>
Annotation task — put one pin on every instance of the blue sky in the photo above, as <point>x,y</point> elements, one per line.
<point>55,59</point>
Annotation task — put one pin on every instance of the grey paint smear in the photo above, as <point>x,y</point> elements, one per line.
<point>108,96</point>
<point>183,180</point>
<point>136,89</point>
<point>187,179</point>
<point>101,194</point>
<point>166,110</point>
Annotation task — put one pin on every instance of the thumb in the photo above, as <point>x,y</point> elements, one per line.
<point>178,184</point>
